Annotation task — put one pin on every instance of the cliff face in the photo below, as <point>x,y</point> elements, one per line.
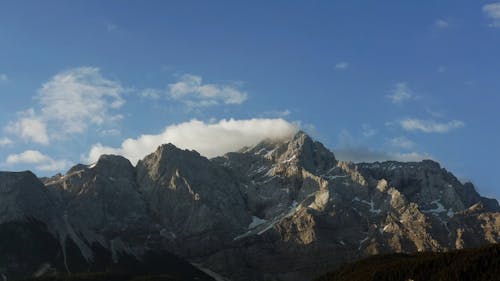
<point>313,212</point>
<point>281,210</point>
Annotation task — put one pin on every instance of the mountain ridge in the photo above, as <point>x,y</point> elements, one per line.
<point>280,210</point>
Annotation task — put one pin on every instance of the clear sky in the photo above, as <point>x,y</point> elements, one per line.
<point>372,80</point>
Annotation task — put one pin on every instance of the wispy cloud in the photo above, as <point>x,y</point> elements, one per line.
<point>5,141</point>
<point>276,113</point>
<point>400,93</point>
<point>412,156</point>
<point>492,11</point>
<point>191,90</point>
<point>68,104</point>
<point>151,94</point>
<point>109,132</point>
<point>430,126</point>
<point>401,142</point>
<point>441,23</point>
<point>209,139</point>
<point>342,65</point>
<point>350,148</point>
<point>364,154</point>
<point>29,128</point>
<point>368,131</point>
<point>3,78</point>
<point>42,162</point>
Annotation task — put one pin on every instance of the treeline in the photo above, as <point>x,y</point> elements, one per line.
<point>480,264</point>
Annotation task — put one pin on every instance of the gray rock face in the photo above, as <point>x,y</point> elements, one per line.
<point>22,197</point>
<point>102,196</point>
<point>197,204</point>
<point>281,210</point>
<point>101,203</point>
<point>315,214</point>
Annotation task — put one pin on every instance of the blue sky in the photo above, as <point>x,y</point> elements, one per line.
<point>371,80</point>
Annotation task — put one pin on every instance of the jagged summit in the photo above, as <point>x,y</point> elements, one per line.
<point>280,210</point>
<point>313,155</point>
<point>300,150</point>
<point>170,148</point>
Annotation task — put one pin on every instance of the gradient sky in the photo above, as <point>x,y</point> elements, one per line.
<point>372,80</point>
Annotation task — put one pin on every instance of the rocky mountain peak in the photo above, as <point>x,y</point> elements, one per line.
<point>108,161</point>
<point>169,150</point>
<point>113,166</point>
<point>74,169</point>
<point>276,211</point>
<point>191,196</point>
<point>427,183</point>
<point>23,196</point>
<point>10,179</point>
<point>299,151</point>
<point>169,160</point>
<point>312,155</point>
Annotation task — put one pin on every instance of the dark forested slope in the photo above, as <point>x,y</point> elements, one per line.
<point>480,264</point>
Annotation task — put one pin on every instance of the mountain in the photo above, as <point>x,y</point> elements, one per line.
<point>59,229</point>
<point>479,264</point>
<point>280,210</point>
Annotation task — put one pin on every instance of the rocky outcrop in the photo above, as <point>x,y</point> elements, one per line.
<point>91,219</point>
<point>309,218</point>
<point>197,204</point>
<point>281,210</point>
<point>22,197</point>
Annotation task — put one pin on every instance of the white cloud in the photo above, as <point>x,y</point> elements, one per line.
<point>368,131</point>
<point>68,104</point>
<point>5,141</point>
<point>401,142</point>
<point>283,113</point>
<point>492,11</point>
<point>27,157</point>
<point>342,65</point>
<point>430,126</point>
<point>151,94</point>
<point>400,93</point>
<point>364,154</point>
<point>276,113</point>
<point>41,161</point>
<point>78,97</point>
<point>29,128</point>
<point>349,148</point>
<point>191,90</point>
<point>109,132</point>
<point>3,77</point>
<point>440,23</point>
<point>209,139</point>
<point>412,156</point>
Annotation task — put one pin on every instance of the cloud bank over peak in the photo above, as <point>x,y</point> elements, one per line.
<point>209,139</point>
<point>41,161</point>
